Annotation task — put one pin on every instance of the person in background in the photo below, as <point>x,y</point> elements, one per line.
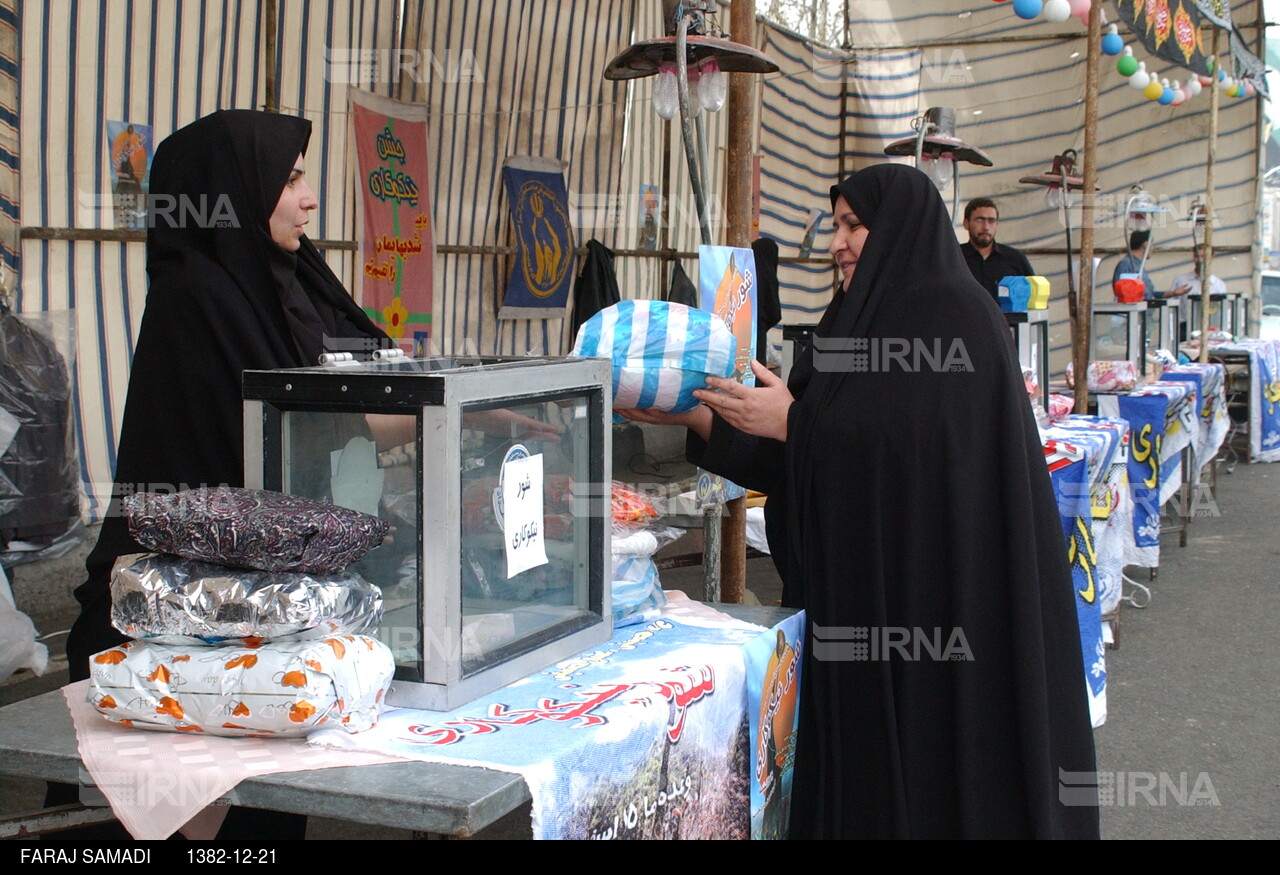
<point>989,261</point>
<point>1133,267</point>
<point>1188,282</point>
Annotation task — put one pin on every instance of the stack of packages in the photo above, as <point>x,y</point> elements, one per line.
<point>245,619</point>
<point>636,590</point>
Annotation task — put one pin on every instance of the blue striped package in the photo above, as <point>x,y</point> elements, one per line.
<point>660,351</point>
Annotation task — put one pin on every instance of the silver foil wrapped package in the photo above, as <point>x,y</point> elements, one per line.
<point>278,688</point>
<point>170,600</point>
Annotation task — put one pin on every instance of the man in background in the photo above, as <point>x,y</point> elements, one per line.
<point>1133,266</point>
<point>1188,283</point>
<point>989,261</point>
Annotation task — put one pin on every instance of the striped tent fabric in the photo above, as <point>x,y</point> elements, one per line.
<point>526,77</point>
<point>9,186</point>
<point>1018,89</point>
<point>532,86</point>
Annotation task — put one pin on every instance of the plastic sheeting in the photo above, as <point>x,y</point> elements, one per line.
<point>39,474</point>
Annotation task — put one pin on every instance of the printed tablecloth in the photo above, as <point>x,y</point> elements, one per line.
<point>1086,459</point>
<point>1163,421</point>
<point>1210,382</point>
<point>679,728</point>
<point>1264,396</point>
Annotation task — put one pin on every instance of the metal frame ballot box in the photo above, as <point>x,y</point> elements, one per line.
<point>1219,313</point>
<point>1173,319</point>
<point>1031,339</point>
<point>1237,308</point>
<point>1120,333</point>
<point>1157,336</point>
<point>499,501</point>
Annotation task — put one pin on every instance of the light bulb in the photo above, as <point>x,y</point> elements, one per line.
<point>940,169</point>
<point>695,94</point>
<point>1128,64</point>
<point>666,102</point>
<point>713,85</point>
<point>1053,197</point>
<point>1112,42</point>
<point>1140,79</point>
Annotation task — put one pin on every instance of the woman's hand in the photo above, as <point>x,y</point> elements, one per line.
<point>697,420</point>
<point>760,410</point>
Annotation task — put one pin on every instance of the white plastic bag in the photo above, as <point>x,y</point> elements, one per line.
<point>18,645</point>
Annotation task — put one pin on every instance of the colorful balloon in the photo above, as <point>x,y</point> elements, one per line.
<point>1057,11</point>
<point>1027,9</point>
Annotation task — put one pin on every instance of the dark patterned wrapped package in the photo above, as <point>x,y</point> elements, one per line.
<point>170,600</point>
<point>253,528</point>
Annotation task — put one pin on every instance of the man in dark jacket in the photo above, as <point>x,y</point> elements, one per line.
<point>989,261</point>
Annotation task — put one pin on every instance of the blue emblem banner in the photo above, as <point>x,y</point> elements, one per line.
<point>543,271</point>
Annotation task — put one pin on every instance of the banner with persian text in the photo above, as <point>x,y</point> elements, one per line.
<point>394,224</point>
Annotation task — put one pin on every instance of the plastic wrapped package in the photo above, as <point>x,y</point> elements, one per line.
<point>275,689</point>
<point>18,645</point>
<point>635,586</point>
<point>170,600</point>
<point>253,528</point>
<point>39,465</point>
<point>1107,376</point>
<point>661,352</point>
<point>629,507</point>
<point>1060,407</point>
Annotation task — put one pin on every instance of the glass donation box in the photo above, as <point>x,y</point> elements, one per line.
<point>1031,338</point>
<point>1120,333</point>
<point>494,476</point>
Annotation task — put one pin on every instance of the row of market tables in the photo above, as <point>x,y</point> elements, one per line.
<point>1145,466</point>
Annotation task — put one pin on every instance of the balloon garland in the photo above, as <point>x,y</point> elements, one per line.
<point>1161,90</point>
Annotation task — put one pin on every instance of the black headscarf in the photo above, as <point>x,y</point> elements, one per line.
<point>222,298</point>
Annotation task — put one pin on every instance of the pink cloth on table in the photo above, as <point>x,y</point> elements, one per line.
<point>157,781</point>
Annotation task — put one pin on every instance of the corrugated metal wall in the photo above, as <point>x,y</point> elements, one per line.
<point>526,78</point>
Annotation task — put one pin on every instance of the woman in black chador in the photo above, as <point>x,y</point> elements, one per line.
<point>910,514</point>
<point>234,285</point>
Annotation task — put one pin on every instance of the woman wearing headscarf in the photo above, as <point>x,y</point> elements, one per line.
<point>234,285</point>
<point>909,499</point>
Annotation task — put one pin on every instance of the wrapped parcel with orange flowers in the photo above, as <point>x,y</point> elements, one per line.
<point>281,688</point>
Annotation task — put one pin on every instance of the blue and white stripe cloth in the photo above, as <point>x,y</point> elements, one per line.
<point>660,351</point>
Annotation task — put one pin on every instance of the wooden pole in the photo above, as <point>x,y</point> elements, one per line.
<point>1083,317</point>
<point>1206,260</point>
<point>738,178</point>
<point>271,101</point>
